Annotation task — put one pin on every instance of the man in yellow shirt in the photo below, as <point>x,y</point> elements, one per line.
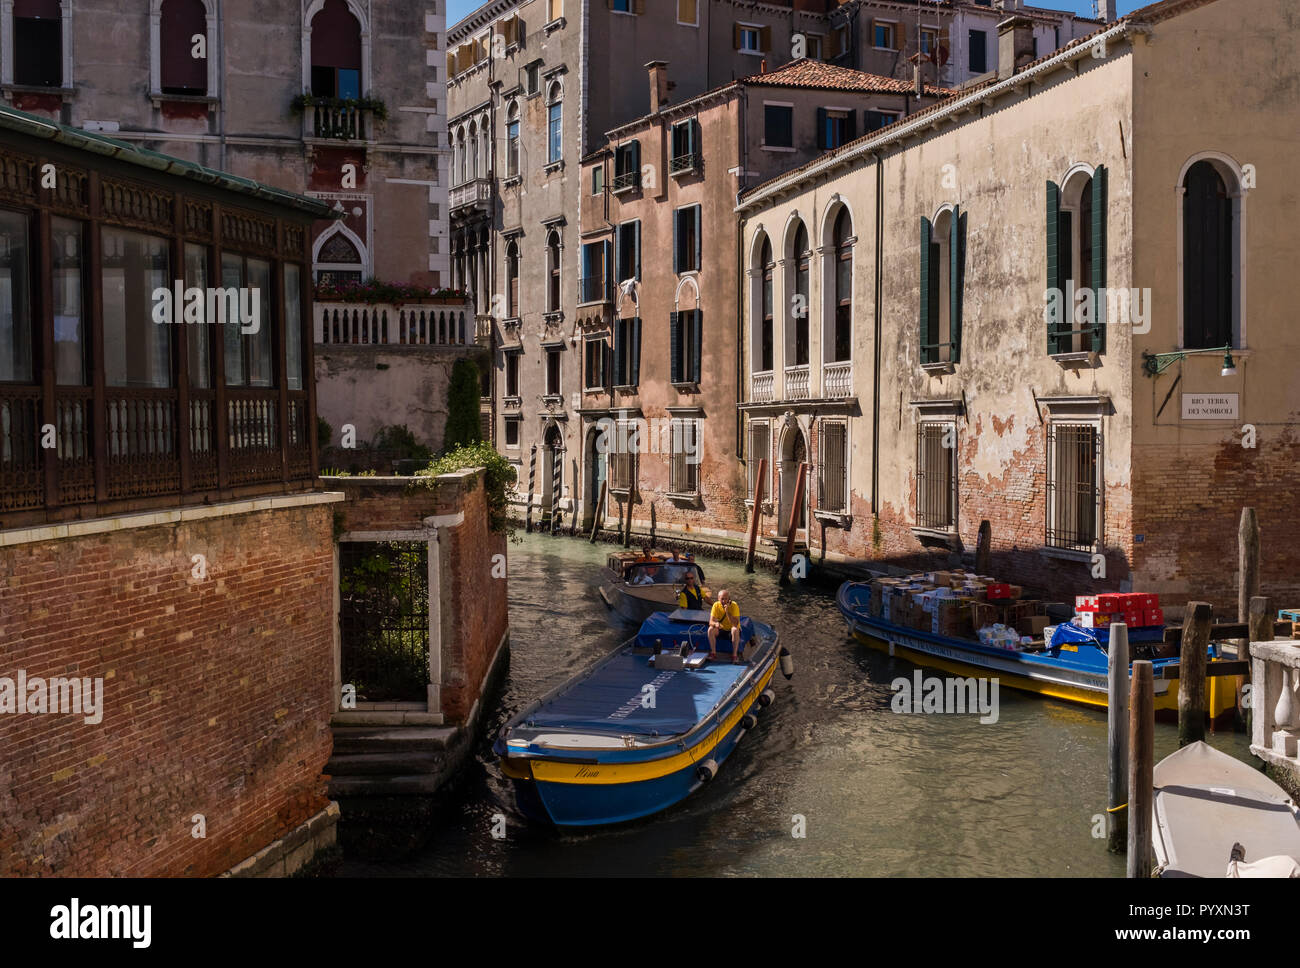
<point>725,617</point>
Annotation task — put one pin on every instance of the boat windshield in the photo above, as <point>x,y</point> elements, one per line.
<point>662,573</point>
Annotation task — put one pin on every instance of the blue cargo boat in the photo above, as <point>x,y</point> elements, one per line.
<point>1072,667</point>
<point>643,728</point>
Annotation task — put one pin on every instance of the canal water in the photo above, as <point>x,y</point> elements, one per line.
<point>879,793</point>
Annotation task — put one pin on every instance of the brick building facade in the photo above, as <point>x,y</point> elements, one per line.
<point>1096,435</point>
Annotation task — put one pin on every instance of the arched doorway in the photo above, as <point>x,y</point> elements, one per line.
<point>794,452</point>
<point>552,485</point>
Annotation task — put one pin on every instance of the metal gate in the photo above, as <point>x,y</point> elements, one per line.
<point>384,619</point>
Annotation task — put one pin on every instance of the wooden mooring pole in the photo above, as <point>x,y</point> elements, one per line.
<point>1141,766</point>
<point>532,481</point>
<point>596,516</point>
<point>1261,630</point>
<point>795,507</point>
<point>984,549</point>
<point>1191,672</point>
<point>631,495</point>
<point>1117,739</point>
<point>557,487</point>
<point>757,512</point>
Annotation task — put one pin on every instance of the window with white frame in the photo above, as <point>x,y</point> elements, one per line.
<point>751,38</point>
<point>936,475</point>
<point>884,34</point>
<point>512,432</point>
<point>687,14</point>
<point>833,467</point>
<point>1074,485</point>
<point>596,357</point>
<point>554,124</point>
<point>684,466</point>
<point>512,373</point>
<point>512,140</point>
<point>182,48</point>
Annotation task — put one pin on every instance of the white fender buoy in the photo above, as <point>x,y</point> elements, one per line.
<point>750,721</point>
<point>787,662</point>
<point>707,770</point>
<point>766,698</point>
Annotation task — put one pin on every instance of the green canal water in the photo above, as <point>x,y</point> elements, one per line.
<point>881,794</point>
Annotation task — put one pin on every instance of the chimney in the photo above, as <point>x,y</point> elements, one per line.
<point>658,85</point>
<point>1106,10</point>
<point>1015,45</point>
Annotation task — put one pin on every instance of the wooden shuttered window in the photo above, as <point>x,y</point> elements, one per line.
<point>765,39</point>
<point>1057,329</point>
<point>674,348</point>
<point>931,321</point>
<point>620,352</point>
<point>956,281</point>
<point>929,293</point>
<point>635,364</point>
<point>1060,238</point>
<point>735,36</point>
<point>1098,228</point>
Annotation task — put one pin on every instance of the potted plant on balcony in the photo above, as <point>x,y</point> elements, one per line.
<point>373,291</point>
<point>340,117</point>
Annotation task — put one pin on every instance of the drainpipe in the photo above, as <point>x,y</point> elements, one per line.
<point>877,313</point>
<point>221,87</point>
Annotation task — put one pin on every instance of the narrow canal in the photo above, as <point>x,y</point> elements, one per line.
<point>881,794</point>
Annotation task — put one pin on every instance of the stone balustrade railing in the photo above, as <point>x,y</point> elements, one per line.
<point>1275,702</point>
<point>417,323</point>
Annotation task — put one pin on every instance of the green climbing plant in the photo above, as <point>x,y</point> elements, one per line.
<point>463,423</point>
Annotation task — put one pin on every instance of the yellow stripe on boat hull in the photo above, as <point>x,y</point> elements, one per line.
<point>559,771</point>
<point>1221,691</point>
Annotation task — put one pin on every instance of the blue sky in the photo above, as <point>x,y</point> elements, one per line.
<point>456,9</point>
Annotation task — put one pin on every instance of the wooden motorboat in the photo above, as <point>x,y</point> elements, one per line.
<point>636,584</point>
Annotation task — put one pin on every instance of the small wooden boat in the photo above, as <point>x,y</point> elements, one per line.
<point>644,727</point>
<point>1215,816</point>
<point>1074,671</point>
<point>636,585</point>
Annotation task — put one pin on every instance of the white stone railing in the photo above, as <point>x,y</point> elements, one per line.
<point>837,380</point>
<point>426,324</point>
<point>796,382</point>
<point>1275,702</point>
<point>761,385</point>
<point>477,192</point>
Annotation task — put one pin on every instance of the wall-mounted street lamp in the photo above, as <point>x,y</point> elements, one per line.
<point>1156,363</point>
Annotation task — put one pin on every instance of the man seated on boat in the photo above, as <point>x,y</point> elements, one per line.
<point>691,596</point>
<point>725,617</point>
<point>646,576</point>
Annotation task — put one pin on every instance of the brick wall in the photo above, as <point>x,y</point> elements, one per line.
<point>1187,507</point>
<point>474,606</point>
<point>217,693</point>
<point>472,580</point>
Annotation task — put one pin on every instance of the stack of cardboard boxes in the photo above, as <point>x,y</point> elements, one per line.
<point>958,604</point>
<point>1135,609</point>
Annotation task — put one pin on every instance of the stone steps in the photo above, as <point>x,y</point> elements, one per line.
<point>392,739</point>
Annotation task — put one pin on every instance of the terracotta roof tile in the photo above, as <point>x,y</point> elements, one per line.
<point>831,77</point>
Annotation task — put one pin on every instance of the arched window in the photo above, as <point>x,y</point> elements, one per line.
<point>842,287</point>
<point>796,347</point>
<point>338,260</point>
<point>1076,261</point>
<point>1211,247</point>
<point>473,151</point>
<point>182,47</point>
<point>766,307</point>
<point>553,273</point>
<point>512,140</point>
<point>554,124</point>
<point>38,43</point>
<point>335,52</point>
<point>512,279</point>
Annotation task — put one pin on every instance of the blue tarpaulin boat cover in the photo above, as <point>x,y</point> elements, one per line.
<point>672,633</point>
